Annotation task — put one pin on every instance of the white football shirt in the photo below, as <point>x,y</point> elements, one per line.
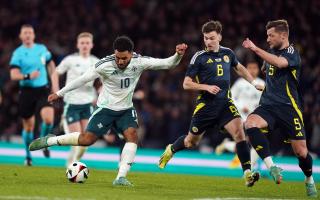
<point>75,66</point>
<point>246,96</point>
<point>118,85</point>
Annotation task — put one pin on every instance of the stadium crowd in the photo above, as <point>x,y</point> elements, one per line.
<point>155,27</point>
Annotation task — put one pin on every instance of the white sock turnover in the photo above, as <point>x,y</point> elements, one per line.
<point>269,162</point>
<point>309,180</point>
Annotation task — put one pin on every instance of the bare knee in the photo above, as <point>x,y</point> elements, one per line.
<point>190,142</point>
<point>87,139</point>
<point>28,127</point>
<point>250,124</point>
<point>28,124</point>
<point>47,115</point>
<point>238,135</point>
<point>131,135</point>
<point>47,120</point>
<point>301,152</point>
<point>255,121</point>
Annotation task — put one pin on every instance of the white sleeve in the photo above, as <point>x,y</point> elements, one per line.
<point>158,63</point>
<point>235,89</point>
<point>90,75</point>
<point>63,66</point>
<point>235,92</point>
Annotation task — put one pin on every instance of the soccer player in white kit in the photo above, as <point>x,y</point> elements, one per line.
<point>246,98</point>
<point>119,74</point>
<point>78,105</point>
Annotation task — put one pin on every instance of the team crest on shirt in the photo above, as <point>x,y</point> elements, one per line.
<point>195,129</point>
<point>226,58</point>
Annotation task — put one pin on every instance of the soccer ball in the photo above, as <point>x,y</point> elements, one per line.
<point>77,172</point>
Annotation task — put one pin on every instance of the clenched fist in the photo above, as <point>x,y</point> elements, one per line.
<point>181,49</point>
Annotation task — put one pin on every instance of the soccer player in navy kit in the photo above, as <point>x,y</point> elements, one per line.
<point>281,102</point>
<point>28,66</point>
<point>209,72</point>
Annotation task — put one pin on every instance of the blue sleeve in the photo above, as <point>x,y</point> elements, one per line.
<point>233,59</point>
<point>15,60</point>
<point>292,56</point>
<point>193,67</point>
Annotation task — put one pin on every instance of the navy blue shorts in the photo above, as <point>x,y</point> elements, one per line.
<point>103,119</point>
<point>213,114</point>
<point>285,117</point>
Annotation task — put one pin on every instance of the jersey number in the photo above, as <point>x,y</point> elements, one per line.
<point>219,70</point>
<point>234,110</point>
<point>271,70</point>
<point>125,83</point>
<point>297,124</point>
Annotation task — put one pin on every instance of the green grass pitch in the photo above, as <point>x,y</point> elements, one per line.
<point>44,183</point>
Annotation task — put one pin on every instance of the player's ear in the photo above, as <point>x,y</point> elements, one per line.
<point>220,37</point>
<point>284,35</point>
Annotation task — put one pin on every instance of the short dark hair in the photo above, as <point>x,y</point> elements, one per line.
<point>280,25</point>
<point>212,26</point>
<point>123,43</point>
<point>26,26</point>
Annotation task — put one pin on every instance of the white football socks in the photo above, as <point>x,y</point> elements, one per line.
<point>309,180</point>
<point>68,139</point>
<point>79,151</point>
<point>127,157</point>
<point>75,154</point>
<point>254,157</point>
<point>268,161</point>
<point>70,158</point>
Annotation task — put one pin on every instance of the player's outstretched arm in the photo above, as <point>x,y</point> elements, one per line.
<point>166,63</point>
<point>274,60</point>
<point>88,76</point>
<point>181,49</point>
<point>243,72</point>
<point>189,84</point>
